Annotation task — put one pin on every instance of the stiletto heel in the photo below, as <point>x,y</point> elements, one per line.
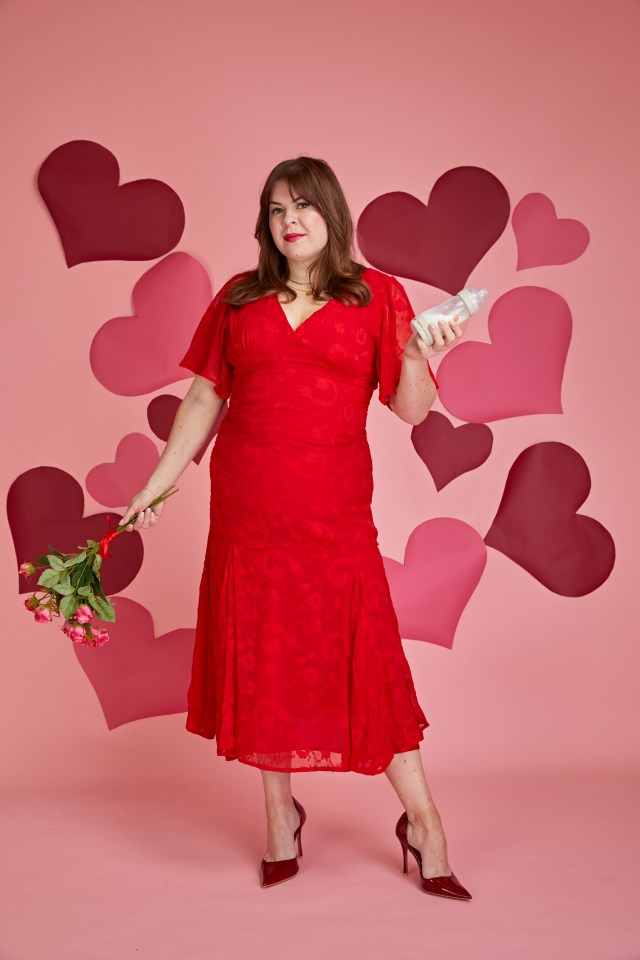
<point>404,854</point>
<point>275,871</point>
<point>448,886</point>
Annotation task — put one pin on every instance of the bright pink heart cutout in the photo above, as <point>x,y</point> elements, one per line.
<point>45,506</point>
<point>537,525</point>
<point>96,217</point>
<point>443,562</point>
<point>439,243</point>
<point>448,451</point>
<point>139,354</point>
<point>135,674</point>
<point>520,372</point>
<point>542,237</point>
<point>161,413</point>
<point>113,484</point>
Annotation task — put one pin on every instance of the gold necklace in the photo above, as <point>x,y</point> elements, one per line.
<point>300,283</point>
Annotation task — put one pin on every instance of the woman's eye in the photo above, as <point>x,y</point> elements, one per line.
<point>303,203</point>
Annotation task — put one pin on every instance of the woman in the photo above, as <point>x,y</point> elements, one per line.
<point>298,663</point>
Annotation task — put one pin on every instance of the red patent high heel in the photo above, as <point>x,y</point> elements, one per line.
<point>275,871</point>
<point>440,886</point>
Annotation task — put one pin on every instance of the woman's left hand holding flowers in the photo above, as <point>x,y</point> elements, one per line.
<point>70,583</point>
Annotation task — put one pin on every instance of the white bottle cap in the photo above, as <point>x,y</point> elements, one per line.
<point>470,302</point>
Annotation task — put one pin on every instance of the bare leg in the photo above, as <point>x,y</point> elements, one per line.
<point>424,830</point>
<point>282,816</point>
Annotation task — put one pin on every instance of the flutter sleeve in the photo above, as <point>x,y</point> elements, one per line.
<point>395,330</point>
<point>207,353</point>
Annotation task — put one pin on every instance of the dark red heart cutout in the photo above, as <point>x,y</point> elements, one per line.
<point>136,674</point>
<point>45,506</point>
<point>99,219</point>
<point>441,243</point>
<point>161,413</point>
<point>448,451</point>
<point>537,525</point>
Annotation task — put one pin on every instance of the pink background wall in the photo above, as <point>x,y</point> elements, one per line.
<point>207,97</point>
<point>201,101</point>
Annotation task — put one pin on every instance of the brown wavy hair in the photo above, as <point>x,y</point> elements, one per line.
<point>334,274</point>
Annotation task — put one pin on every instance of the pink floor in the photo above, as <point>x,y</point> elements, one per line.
<point>170,870</point>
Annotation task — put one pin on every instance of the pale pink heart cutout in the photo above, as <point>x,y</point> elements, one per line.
<point>443,562</point>
<point>113,484</point>
<point>135,674</point>
<point>520,372</point>
<point>135,355</point>
<point>542,237</point>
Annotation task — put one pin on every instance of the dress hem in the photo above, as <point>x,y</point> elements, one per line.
<point>198,731</point>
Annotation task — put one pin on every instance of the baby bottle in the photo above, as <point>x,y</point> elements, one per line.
<point>465,303</point>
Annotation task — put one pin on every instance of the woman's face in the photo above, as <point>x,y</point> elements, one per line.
<point>295,215</point>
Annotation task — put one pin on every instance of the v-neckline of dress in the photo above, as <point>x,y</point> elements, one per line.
<point>294,330</point>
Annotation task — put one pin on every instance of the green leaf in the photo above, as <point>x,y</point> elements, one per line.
<point>56,563</point>
<point>48,578</point>
<point>58,553</point>
<point>72,561</point>
<point>65,590</point>
<point>98,603</point>
<point>68,607</point>
<point>97,587</point>
<point>92,543</point>
<point>42,561</point>
<point>84,591</point>
<point>103,608</point>
<point>96,563</point>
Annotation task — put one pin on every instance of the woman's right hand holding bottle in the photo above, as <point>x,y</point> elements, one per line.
<point>147,516</point>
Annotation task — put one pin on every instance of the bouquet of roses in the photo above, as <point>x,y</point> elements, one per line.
<point>71,586</point>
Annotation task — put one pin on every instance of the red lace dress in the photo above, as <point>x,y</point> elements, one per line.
<point>298,663</point>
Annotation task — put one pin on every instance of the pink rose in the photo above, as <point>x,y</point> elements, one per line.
<point>84,613</point>
<point>77,634</point>
<point>100,636</point>
<point>26,569</point>
<point>42,614</point>
<point>32,603</point>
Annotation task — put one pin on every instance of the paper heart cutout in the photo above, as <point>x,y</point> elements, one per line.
<point>448,451</point>
<point>537,525</point>
<point>45,506</point>
<point>114,484</point>
<point>542,237</point>
<point>96,217</point>
<point>520,372</point>
<point>135,674</point>
<point>443,562</point>
<point>161,413</point>
<point>440,243</point>
<point>139,354</point>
